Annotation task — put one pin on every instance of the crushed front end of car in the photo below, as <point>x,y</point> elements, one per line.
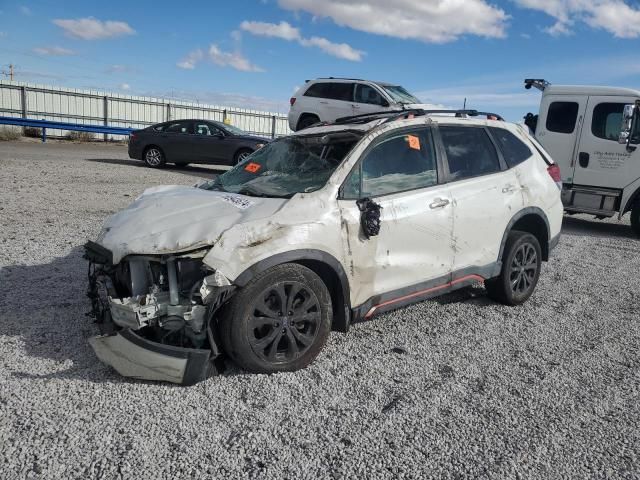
<point>154,312</point>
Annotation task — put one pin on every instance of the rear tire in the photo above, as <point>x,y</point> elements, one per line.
<point>279,321</point>
<point>153,157</point>
<point>521,265</point>
<point>635,218</point>
<point>306,121</point>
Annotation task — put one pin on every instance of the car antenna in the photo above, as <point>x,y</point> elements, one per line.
<point>464,105</point>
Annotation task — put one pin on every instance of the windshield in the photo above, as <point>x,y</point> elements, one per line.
<point>287,166</point>
<point>400,95</point>
<point>234,130</point>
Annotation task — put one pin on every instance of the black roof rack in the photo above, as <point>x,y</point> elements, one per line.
<point>417,112</point>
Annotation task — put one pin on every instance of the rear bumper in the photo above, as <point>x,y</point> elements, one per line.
<point>136,357</point>
<point>135,150</point>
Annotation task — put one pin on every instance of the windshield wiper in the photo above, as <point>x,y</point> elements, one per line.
<point>251,192</point>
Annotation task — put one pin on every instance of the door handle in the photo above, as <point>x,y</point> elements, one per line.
<point>583,159</point>
<point>509,189</point>
<point>439,203</point>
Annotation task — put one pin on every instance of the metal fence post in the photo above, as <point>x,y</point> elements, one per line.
<point>23,105</point>
<point>168,112</point>
<point>224,116</point>
<point>105,107</point>
<point>273,126</point>
<point>23,101</point>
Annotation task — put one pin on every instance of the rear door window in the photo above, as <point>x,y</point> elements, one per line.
<point>331,90</point>
<point>562,117</point>
<point>178,127</point>
<point>513,149</point>
<point>398,163</point>
<point>470,152</point>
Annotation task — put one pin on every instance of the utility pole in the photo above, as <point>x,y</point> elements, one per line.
<point>9,73</point>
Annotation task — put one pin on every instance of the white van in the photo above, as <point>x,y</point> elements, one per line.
<point>327,99</point>
<point>587,132</point>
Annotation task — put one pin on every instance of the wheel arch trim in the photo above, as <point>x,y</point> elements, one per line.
<point>518,216</point>
<point>299,256</point>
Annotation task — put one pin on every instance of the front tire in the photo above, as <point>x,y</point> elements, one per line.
<point>154,158</point>
<point>279,321</point>
<point>521,265</point>
<point>635,218</point>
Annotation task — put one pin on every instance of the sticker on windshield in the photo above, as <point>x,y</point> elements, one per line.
<point>253,167</point>
<point>414,142</point>
<point>241,203</point>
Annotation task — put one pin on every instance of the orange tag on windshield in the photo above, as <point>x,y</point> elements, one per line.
<point>253,167</point>
<point>414,142</point>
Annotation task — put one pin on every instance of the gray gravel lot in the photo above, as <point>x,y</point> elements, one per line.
<point>475,390</point>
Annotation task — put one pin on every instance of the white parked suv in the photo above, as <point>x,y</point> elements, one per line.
<point>315,231</point>
<point>328,99</point>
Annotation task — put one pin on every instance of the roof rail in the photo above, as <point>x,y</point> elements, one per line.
<point>539,83</point>
<point>340,78</point>
<point>417,112</point>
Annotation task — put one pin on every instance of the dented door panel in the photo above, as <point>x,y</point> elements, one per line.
<point>414,243</point>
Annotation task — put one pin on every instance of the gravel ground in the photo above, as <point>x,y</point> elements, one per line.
<point>458,387</point>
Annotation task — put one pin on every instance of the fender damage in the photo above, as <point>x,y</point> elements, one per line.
<point>152,296</point>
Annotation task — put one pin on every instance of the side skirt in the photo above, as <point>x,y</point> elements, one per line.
<point>423,291</point>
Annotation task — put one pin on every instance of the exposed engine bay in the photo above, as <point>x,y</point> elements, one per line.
<point>164,300</point>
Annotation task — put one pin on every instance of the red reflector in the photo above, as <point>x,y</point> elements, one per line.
<point>292,100</point>
<point>554,171</point>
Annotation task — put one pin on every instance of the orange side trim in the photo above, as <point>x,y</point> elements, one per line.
<point>423,292</point>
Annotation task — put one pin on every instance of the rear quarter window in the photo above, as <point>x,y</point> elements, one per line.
<point>562,117</point>
<point>514,150</point>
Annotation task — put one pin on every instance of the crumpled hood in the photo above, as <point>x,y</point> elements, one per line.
<point>172,219</point>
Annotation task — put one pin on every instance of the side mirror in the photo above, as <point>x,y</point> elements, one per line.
<point>630,122</point>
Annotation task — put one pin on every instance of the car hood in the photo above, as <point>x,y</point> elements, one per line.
<point>174,219</point>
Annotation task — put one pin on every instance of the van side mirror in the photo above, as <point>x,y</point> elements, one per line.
<point>630,131</point>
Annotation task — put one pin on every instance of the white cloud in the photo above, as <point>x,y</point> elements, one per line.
<point>189,62</point>
<point>125,86</point>
<point>53,51</point>
<point>340,50</point>
<point>232,59</point>
<point>25,10</point>
<point>434,21</point>
<point>280,30</point>
<point>93,29</point>
<point>286,31</point>
<point>615,16</point>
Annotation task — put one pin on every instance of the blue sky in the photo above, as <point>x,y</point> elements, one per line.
<point>254,53</point>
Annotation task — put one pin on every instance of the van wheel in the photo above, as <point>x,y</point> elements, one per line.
<point>306,121</point>
<point>521,265</point>
<point>635,218</point>
<point>279,321</point>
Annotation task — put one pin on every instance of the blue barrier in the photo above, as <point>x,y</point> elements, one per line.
<point>44,124</point>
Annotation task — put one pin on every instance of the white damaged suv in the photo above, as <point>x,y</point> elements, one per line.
<point>318,230</point>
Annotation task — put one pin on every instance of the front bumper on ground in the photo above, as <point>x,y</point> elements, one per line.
<point>133,356</point>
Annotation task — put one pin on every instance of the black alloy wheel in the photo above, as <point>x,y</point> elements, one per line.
<point>521,266</point>
<point>284,322</point>
<point>279,321</point>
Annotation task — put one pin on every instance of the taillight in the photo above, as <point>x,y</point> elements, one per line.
<point>132,136</point>
<point>554,171</point>
<point>292,100</point>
